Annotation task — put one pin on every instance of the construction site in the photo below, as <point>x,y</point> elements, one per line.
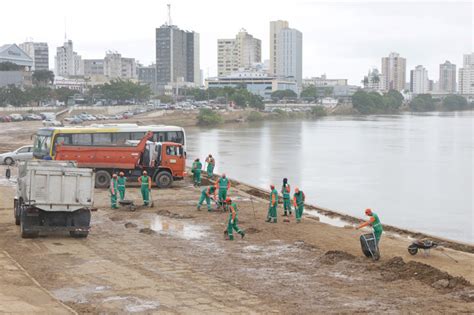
<point>170,258</point>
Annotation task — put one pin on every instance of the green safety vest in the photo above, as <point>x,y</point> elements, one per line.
<point>234,205</point>
<point>285,191</point>
<point>223,183</point>
<point>299,198</point>
<point>121,181</point>
<point>377,225</point>
<point>145,180</point>
<point>212,189</point>
<point>197,166</point>
<point>114,185</point>
<point>274,193</point>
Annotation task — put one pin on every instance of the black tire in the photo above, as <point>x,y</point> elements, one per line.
<point>102,179</point>
<point>164,179</point>
<point>376,256</point>
<point>16,212</point>
<point>413,250</point>
<point>8,161</point>
<point>79,234</point>
<point>25,223</point>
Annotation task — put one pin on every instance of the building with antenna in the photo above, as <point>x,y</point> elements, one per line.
<point>243,51</point>
<point>177,56</point>
<point>67,62</point>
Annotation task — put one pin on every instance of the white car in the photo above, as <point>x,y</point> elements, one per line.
<point>20,154</point>
<point>52,123</point>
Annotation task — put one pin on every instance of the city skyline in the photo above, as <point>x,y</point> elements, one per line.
<point>340,39</point>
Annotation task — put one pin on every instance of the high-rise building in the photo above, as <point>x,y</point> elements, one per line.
<point>419,82</point>
<point>39,52</point>
<point>393,71</point>
<point>286,52</point>
<point>447,77</point>
<point>93,67</point>
<point>147,74</point>
<point>275,28</point>
<point>242,52</point>
<point>466,75</point>
<point>177,56</point>
<point>67,61</point>
<point>113,66</point>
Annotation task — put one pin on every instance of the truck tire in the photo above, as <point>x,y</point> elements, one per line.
<point>164,179</point>
<point>8,161</point>
<point>16,211</point>
<point>79,234</point>
<point>102,179</point>
<point>25,223</point>
<point>81,218</point>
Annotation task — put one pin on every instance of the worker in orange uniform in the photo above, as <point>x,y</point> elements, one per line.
<point>145,183</point>
<point>233,219</point>
<point>374,221</point>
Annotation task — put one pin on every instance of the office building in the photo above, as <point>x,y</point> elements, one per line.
<point>39,52</point>
<point>243,51</point>
<point>67,61</point>
<point>447,77</point>
<point>93,67</point>
<point>14,54</point>
<point>113,66</point>
<point>394,72</point>
<point>147,74</point>
<point>419,82</point>
<point>177,56</point>
<point>466,75</point>
<point>275,28</point>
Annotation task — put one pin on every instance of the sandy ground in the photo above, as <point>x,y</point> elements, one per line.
<point>174,259</point>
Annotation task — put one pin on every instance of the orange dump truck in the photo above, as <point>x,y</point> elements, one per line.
<point>163,161</point>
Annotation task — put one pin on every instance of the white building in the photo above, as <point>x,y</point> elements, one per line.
<point>447,78</point>
<point>39,52</point>
<point>419,82</point>
<point>374,81</point>
<point>466,75</point>
<point>323,81</point>
<point>14,54</point>
<point>394,72</point>
<point>328,102</point>
<point>290,55</point>
<point>67,61</point>
<point>275,28</point>
<point>76,84</point>
<point>113,66</point>
<point>241,52</point>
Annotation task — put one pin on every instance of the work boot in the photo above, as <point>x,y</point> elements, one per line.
<point>268,220</point>
<point>242,234</point>
<point>284,214</point>
<point>199,208</point>
<point>209,209</point>
<point>231,237</point>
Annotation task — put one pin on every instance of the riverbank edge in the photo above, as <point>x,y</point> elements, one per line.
<point>263,194</point>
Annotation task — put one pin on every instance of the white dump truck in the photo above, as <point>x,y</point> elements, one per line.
<point>53,196</point>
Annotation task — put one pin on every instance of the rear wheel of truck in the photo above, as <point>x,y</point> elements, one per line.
<point>81,218</point>
<point>164,179</point>
<point>16,211</point>
<point>102,179</point>
<point>25,225</point>
<point>79,234</point>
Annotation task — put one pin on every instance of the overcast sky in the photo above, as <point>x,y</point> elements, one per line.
<point>340,38</point>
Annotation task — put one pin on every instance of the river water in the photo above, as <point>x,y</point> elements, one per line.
<point>414,170</point>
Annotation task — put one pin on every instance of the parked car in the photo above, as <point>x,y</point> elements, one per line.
<point>76,120</point>
<point>16,117</point>
<point>5,118</point>
<point>52,123</point>
<point>31,117</point>
<point>127,115</point>
<point>20,154</point>
<point>101,117</point>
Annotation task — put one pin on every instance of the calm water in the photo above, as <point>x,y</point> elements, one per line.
<point>414,170</point>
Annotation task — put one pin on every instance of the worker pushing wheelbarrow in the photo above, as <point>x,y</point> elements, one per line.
<point>370,242</point>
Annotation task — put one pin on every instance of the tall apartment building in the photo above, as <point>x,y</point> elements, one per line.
<point>242,52</point>
<point>290,55</point>
<point>147,74</point>
<point>177,56</point>
<point>286,52</point>
<point>67,61</point>
<point>419,82</point>
<point>275,28</point>
<point>466,75</point>
<point>447,77</point>
<point>113,66</point>
<point>39,52</point>
<point>394,72</point>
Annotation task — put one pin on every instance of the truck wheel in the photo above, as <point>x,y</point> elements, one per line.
<point>24,225</point>
<point>164,180</point>
<point>79,234</point>
<point>16,211</point>
<point>102,179</point>
<point>8,161</point>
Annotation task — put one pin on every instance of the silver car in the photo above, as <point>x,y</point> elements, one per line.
<point>20,154</point>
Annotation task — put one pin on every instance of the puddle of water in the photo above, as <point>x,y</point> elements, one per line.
<point>327,220</point>
<point>178,228</point>
<point>77,295</point>
<point>133,304</point>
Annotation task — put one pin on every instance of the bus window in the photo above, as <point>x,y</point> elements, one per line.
<point>82,139</point>
<point>159,137</point>
<point>120,138</point>
<point>61,139</point>
<point>175,136</point>
<point>137,135</point>
<point>101,139</point>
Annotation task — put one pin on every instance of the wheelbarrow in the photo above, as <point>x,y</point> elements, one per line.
<point>369,245</point>
<point>128,204</point>
<point>426,245</point>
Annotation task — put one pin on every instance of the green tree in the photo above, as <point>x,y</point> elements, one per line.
<point>254,116</point>
<point>12,95</point>
<point>422,103</point>
<point>309,91</point>
<point>38,94</point>
<point>9,66</point>
<point>281,94</point>
<point>317,111</point>
<point>208,117</point>
<point>42,77</point>
<point>63,94</point>
<point>454,102</point>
